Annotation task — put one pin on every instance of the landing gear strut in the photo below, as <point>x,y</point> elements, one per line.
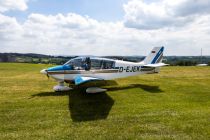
<point>61,87</point>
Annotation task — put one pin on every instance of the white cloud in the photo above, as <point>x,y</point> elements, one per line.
<point>9,28</point>
<point>163,14</point>
<point>187,7</point>
<point>6,5</point>
<point>73,34</point>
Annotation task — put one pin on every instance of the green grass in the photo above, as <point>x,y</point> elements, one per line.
<point>174,104</point>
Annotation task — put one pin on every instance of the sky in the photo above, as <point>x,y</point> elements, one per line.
<point>105,27</point>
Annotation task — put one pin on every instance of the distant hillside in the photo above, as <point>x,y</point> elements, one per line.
<point>33,58</point>
<point>46,59</point>
<point>186,60</point>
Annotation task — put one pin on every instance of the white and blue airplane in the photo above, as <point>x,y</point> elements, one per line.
<point>81,70</point>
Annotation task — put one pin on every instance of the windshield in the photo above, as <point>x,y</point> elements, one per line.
<point>76,63</point>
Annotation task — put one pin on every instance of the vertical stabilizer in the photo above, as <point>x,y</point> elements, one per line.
<point>155,56</point>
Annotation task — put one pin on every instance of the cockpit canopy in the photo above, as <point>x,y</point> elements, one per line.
<point>88,63</point>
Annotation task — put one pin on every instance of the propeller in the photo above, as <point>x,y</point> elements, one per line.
<point>47,76</point>
<point>44,71</point>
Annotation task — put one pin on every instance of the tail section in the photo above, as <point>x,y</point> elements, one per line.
<point>155,56</point>
<point>154,59</point>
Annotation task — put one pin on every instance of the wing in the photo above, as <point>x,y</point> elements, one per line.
<point>81,79</point>
<point>156,65</point>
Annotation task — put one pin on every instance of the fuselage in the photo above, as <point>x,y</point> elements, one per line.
<point>102,68</point>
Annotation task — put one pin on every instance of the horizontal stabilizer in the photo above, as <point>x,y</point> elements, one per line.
<point>156,65</point>
<point>80,80</point>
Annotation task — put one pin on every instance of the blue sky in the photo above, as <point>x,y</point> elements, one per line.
<point>102,10</point>
<point>105,27</point>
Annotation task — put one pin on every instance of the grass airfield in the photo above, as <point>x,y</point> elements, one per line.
<point>174,104</point>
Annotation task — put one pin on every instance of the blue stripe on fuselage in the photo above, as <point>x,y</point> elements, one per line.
<point>157,56</point>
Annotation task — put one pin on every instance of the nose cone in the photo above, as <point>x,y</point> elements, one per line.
<point>55,69</point>
<point>43,71</point>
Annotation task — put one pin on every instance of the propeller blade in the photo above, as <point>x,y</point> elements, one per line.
<point>47,76</point>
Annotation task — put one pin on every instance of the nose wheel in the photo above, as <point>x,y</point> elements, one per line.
<point>61,87</point>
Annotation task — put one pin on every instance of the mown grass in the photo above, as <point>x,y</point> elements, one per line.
<point>174,104</point>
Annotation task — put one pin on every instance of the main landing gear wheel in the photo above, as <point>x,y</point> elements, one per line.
<point>61,87</point>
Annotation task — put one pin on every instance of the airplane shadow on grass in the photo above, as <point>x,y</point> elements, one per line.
<point>151,89</point>
<point>88,107</point>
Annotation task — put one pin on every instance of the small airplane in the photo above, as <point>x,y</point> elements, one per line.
<point>81,70</point>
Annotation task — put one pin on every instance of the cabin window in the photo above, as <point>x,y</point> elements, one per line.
<point>96,63</point>
<point>107,64</point>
